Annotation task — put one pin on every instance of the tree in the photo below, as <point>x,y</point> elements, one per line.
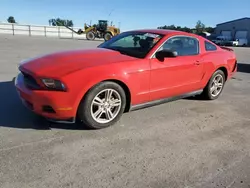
<point>210,29</point>
<point>61,22</point>
<point>178,28</point>
<point>200,27</point>
<point>186,29</point>
<point>11,19</point>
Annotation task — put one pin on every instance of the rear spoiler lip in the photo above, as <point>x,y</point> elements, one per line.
<point>226,48</point>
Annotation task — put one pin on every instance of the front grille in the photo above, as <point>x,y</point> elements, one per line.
<point>29,81</point>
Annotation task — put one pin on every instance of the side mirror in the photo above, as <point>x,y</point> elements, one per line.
<point>160,55</point>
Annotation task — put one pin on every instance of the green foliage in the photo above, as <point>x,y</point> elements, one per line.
<point>199,28</point>
<point>61,22</point>
<point>178,28</point>
<point>210,29</point>
<point>11,19</point>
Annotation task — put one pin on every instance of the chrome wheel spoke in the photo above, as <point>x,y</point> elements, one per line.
<point>220,85</point>
<point>98,113</point>
<point>106,105</point>
<point>213,89</point>
<point>215,92</point>
<point>108,94</point>
<point>115,103</point>
<point>218,79</point>
<point>109,114</point>
<point>217,85</point>
<point>97,101</point>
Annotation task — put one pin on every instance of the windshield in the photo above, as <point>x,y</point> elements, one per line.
<point>135,44</point>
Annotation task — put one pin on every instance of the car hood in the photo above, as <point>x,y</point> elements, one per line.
<point>62,63</point>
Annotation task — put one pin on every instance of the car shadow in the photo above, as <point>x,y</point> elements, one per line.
<point>243,67</point>
<point>14,114</point>
<point>195,98</point>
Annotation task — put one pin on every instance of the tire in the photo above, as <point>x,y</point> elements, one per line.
<point>87,109</point>
<point>207,92</point>
<point>107,36</point>
<point>90,35</point>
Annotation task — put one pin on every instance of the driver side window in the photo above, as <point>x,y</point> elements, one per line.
<point>184,46</point>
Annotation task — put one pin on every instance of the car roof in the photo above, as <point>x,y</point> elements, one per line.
<point>166,32</point>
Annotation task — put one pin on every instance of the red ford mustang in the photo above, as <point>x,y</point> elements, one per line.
<point>133,70</point>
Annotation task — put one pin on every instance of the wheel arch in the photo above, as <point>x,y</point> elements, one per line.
<point>224,70</point>
<point>119,82</point>
<point>210,73</point>
<point>109,31</point>
<point>126,90</point>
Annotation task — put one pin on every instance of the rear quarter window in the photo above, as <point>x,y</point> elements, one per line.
<point>209,46</point>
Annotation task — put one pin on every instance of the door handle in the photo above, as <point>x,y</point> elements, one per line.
<point>197,62</point>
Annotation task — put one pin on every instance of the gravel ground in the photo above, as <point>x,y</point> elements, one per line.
<point>186,143</point>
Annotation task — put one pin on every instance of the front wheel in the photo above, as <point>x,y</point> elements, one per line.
<point>103,105</point>
<point>215,86</point>
<point>90,35</point>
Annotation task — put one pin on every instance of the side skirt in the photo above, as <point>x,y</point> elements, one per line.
<point>165,100</point>
<point>66,121</point>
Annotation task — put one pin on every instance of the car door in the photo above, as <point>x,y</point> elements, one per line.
<point>177,75</point>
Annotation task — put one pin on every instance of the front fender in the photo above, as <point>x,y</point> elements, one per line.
<point>82,81</point>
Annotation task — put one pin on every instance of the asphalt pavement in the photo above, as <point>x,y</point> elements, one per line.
<point>187,143</point>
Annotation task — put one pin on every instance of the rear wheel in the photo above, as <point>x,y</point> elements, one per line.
<point>215,86</point>
<point>90,35</point>
<point>102,106</point>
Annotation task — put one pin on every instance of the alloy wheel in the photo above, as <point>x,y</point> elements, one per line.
<point>105,106</point>
<point>217,85</point>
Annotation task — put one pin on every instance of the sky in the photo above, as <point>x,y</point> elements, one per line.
<point>129,14</point>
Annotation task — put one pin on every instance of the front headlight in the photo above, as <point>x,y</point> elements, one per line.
<point>53,84</point>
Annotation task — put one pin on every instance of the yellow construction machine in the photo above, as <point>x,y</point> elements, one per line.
<point>100,30</point>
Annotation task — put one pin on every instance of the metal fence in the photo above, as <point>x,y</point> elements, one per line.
<point>36,30</point>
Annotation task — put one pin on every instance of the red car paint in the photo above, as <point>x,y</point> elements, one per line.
<point>147,79</point>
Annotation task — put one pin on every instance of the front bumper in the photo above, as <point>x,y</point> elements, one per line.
<point>52,105</point>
